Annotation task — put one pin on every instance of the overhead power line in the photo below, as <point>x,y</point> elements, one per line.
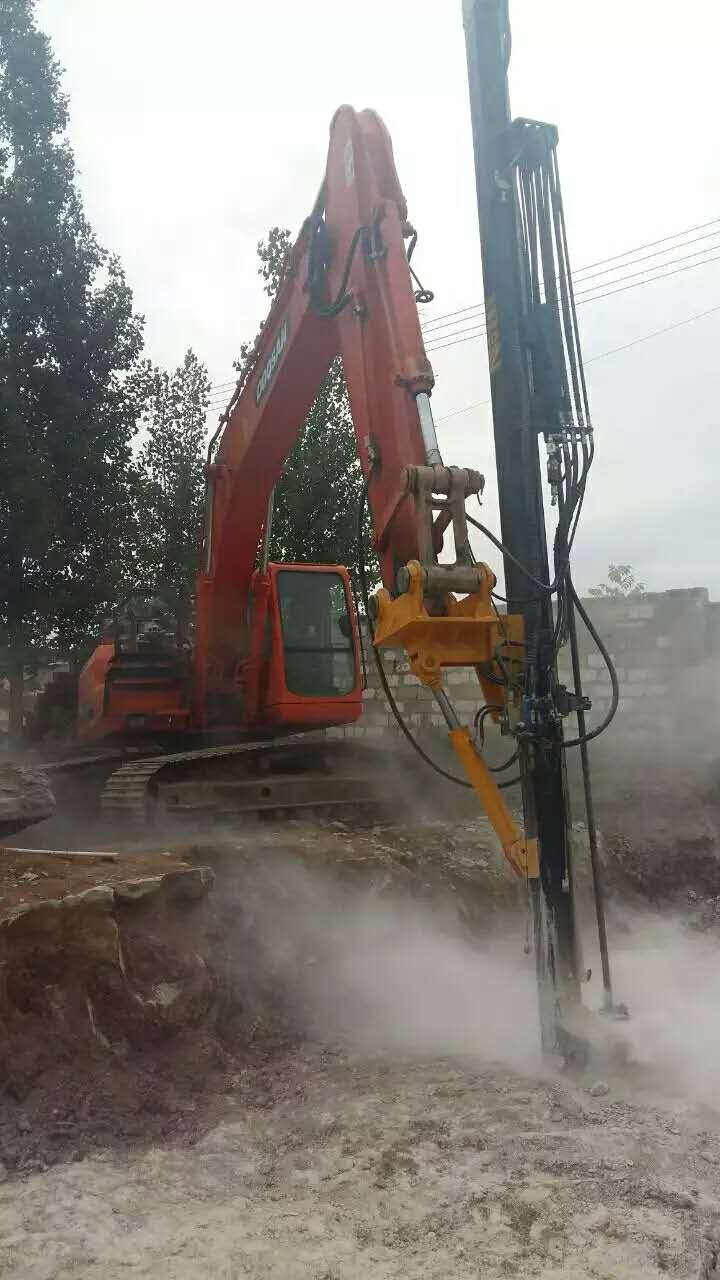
<point>477,404</point>
<point>581,278</point>
<point>700,226</point>
<point>644,257</point>
<point>473,315</point>
<point>656,333</point>
<point>660,267</point>
<point>601,355</point>
<point>593,291</point>
<point>455,341</point>
<point>450,316</point>
<point>466,335</point>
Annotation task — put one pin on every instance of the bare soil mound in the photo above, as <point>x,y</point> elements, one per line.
<point>100,960</point>
<point>133,1000</point>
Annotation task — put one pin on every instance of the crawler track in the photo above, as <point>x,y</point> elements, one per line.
<point>280,775</point>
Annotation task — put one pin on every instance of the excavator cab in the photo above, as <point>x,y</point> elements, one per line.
<point>299,668</point>
<point>304,668</point>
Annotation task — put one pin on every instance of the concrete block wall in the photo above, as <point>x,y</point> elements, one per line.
<point>414,701</point>
<point>651,640</point>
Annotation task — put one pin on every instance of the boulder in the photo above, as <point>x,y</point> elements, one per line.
<point>25,798</point>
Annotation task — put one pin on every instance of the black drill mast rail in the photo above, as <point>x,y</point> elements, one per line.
<point>538,391</point>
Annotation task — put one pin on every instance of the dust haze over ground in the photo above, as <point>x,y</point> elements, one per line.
<point>368,1099</point>
<point>657,781</point>
<point>382,971</point>
<point>670,975</point>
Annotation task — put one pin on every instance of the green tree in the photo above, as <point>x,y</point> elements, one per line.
<point>171,487</point>
<point>621,584</point>
<point>68,338</point>
<point>317,497</point>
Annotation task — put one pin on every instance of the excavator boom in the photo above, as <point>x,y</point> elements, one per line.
<point>347,292</point>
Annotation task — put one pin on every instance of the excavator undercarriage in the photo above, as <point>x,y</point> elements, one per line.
<point>276,777</point>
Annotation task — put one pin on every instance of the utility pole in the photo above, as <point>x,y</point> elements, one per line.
<point>545,798</point>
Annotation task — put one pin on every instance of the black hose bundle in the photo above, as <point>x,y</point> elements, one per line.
<point>560,407</point>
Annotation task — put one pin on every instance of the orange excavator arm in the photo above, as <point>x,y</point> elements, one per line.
<point>348,291</point>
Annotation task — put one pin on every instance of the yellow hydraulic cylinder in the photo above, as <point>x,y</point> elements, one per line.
<point>521,854</point>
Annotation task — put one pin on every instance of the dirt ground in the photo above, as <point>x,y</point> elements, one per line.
<point>350,1168</point>
<point>363,1094</point>
<point>35,876</point>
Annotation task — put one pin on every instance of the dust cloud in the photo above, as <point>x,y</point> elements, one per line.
<point>387,974</point>
<point>381,973</point>
<point>669,976</point>
<point>393,981</point>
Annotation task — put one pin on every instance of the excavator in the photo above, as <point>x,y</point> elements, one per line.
<point>276,650</point>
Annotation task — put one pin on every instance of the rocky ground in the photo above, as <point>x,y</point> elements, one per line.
<point>333,1166</point>
<point>359,1092</point>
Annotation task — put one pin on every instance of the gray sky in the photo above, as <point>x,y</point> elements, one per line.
<point>196,127</point>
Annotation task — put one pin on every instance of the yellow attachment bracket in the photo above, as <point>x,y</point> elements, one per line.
<point>464,633</point>
<point>467,633</point>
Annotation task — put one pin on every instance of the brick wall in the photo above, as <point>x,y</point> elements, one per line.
<point>654,642</point>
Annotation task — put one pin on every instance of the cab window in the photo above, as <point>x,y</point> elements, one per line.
<point>317,634</point>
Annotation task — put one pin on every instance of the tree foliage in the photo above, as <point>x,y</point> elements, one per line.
<point>171,485</point>
<point>318,495</point>
<point>68,338</point>
<point>621,584</point>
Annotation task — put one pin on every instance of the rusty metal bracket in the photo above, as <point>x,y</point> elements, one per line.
<point>454,484</point>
